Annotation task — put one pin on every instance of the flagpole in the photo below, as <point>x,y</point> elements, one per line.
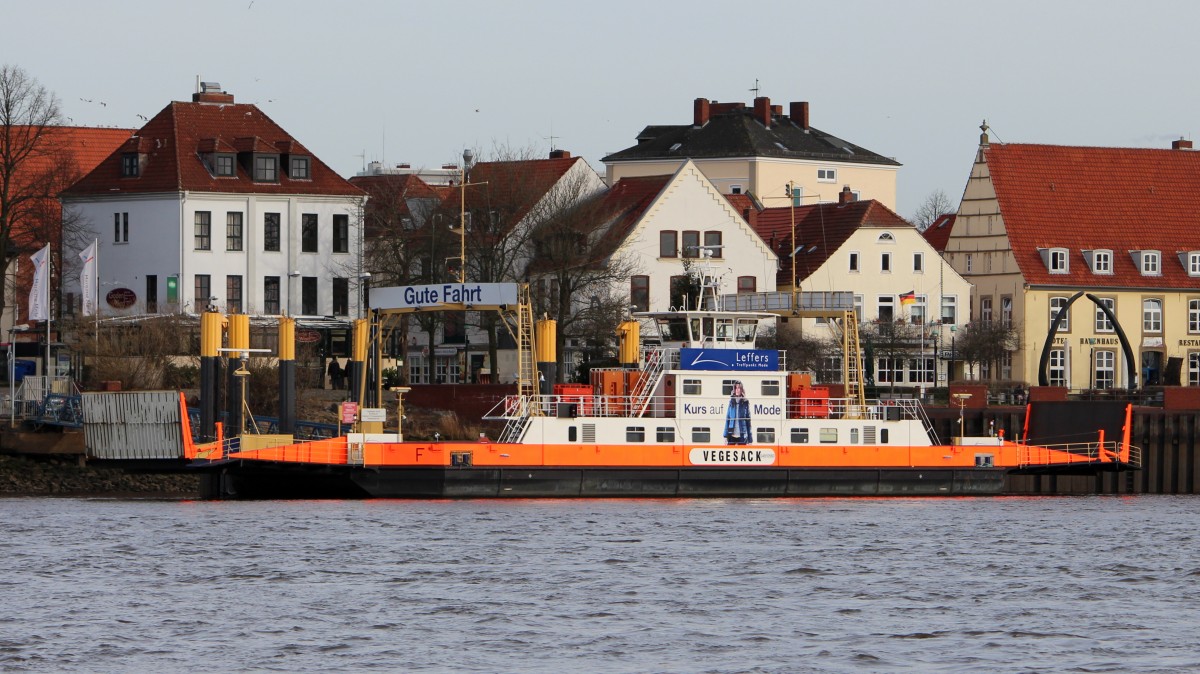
<point>96,291</point>
<point>49,315</point>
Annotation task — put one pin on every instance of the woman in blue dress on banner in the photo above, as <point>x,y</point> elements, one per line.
<point>737,417</point>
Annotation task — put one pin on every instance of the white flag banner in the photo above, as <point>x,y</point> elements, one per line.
<point>39,294</point>
<point>87,279</point>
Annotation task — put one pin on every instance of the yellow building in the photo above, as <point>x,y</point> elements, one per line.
<point>1039,224</point>
<point>758,150</point>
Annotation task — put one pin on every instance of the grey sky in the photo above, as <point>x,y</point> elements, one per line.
<point>418,82</point>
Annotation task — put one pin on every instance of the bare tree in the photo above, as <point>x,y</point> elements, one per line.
<point>33,167</point>
<point>935,205</point>
<point>982,342</point>
<point>891,342</point>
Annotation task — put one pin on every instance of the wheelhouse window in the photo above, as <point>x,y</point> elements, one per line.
<point>341,233</point>
<point>203,230</point>
<point>271,232</point>
<point>308,233</point>
<point>233,231</point>
<point>668,243</point>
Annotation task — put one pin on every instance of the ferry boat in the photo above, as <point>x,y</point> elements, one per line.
<point>697,410</point>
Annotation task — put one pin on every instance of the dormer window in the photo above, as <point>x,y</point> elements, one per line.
<point>1148,261</point>
<point>1099,260</point>
<point>1055,259</point>
<point>299,168</point>
<point>223,165</point>
<point>1191,262</point>
<point>129,165</point>
<point>266,168</point>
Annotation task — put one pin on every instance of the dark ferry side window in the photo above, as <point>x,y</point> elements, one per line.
<point>764,435</point>
<point>883,436</point>
<point>572,434</point>
<point>799,436</point>
<point>664,434</point>
<point>854,436</point>
<point>770,387</point>
<point>635,434</point>
<point>828,435</point>
<point>691,387</point>
<point>701,434</point>
<point>727,387</point>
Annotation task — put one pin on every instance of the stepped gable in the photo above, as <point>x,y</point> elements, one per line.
<point>1087,198</point>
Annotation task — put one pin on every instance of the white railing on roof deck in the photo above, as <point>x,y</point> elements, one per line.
<point>628,406</point>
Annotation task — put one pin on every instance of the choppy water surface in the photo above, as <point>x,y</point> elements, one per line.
<point>998,584</point>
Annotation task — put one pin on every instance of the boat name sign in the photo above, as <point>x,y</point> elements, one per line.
<point>413,297</point>
<point>728,359</point>
<point>726,456</point>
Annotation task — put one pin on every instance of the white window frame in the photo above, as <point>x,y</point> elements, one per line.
<point>1059,261</point>
<point>1061,302</point>
<point>970,262</point>
<point>885,300</point>
<point>918,263</point>
<point>1193,263</point>
<point>1151,263</point>
<point>855,264</point>
<point>985,309</point>
<point>1102,323</point>
<point>885,263</point>
<point>1152,315</point>
<point>827,175</point>
<point>1102,262</point>
<point>949,302</point>
<point>1193,368</point>
<point>1194,316</point>
<point>1058,367</point>
<point>1104,369</point>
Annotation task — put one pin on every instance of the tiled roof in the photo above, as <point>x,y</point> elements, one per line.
<point>173,140</point>
<point>820,230</point>
<point>744,205</point>
<point>938,231</point>
<point>389,197</point>
<point>1087,198</point>
<point>737,134</point>
<point>87,147</point>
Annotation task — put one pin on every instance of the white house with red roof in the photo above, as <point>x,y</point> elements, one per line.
<point>213,204</point>
<point>1039,224</point>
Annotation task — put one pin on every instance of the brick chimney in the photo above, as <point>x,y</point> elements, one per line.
<point>560,154</point>
<point>798,111</point>
<point>762,110</point>
<point>845,196</point>
<point>700,112</point>
<point>1181,144</point>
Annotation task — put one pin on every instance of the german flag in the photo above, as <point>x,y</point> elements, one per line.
<point>909,297</point>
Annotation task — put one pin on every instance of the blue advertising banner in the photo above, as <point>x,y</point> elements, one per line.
<point>728,359</point>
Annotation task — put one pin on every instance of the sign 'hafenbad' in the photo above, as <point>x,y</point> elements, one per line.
<point>479,295</point>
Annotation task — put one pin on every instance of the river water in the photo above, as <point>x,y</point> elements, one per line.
<point>1084,584</point>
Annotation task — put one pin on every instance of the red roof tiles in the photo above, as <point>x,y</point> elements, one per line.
<point>1088,198</point>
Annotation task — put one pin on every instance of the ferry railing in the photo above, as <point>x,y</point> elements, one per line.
<point>1044,455</point>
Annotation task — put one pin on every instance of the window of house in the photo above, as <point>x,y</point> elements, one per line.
<point>635,434</point>
<point>203,289</point>
<point>129,165</point>
<point>203,230</point>
<point>1101,261</point>
<point>223,165</point>
<point>918,310</point>
<point>764,435</point>
<point>1193,368</point>
<point>970,262</point>
<point>712,243</point>
<point>985,309</point>
<point>691,244</point>
<point>701,434</point>
<point>120,228</point>
<point>271,231</point>
<point>233,294</point>
<point>827,175</point>
<point>1058,304</point>
<point>341,233</point>
<point>271,295</point>
<point>266,168</point>
<point>799,436</point>
<point>1151,263</point>
<point>341,297</point>
<point>747,284</point>
<point>308,296</point>
<point>1152,315</point>
<point>1006,311</point>
<point>308,233</point>
<point>887,308</point>
<point>233,231</point>
<point>1103,324</point>
<point>1194,316</point>
<point>151,294</point>
<point>919,263</point>
<point>664,434</point>
<point>299,167</point>
<point>1058,367</point>
<point>639,293</point>
<point>1104,375</point>
<point>735,189</point>
<point>1193,263</point>
<point>1058,261</point>
<point>949,310</point>
<point>858,307</point>
<point>885,262</point>
<point>854,262</point>
<point>668,243</point>
<point>691,387</point>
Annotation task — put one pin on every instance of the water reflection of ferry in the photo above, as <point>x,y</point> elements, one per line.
<point>697,410</point>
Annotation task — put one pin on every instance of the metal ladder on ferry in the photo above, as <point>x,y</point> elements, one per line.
<point>852,367</point>
<point>646,385</point>
<point>526,400</point>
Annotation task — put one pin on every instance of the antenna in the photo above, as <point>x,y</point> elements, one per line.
<point>552,137</point>
<point>363,156</point>
<point>755,89</point>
